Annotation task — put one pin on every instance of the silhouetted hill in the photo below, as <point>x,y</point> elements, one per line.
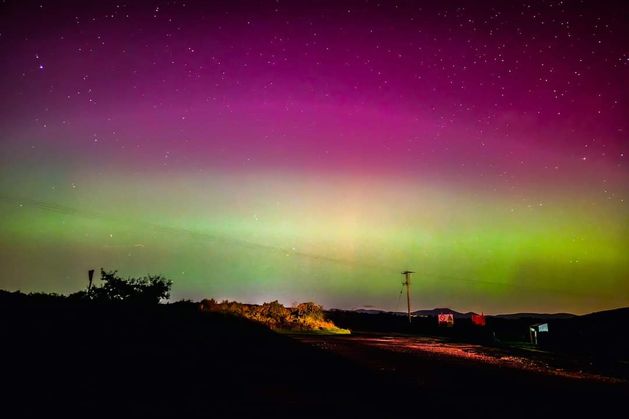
<point>61,357</point>
<point>604,334</point>
<point>437,311</point>
<point>614,315</point>
<point>64,357</point>
<point>373,311</point>
<point>540,316</point>
<point>461,315</point>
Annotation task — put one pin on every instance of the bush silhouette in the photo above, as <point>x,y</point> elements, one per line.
<point>146,290</point>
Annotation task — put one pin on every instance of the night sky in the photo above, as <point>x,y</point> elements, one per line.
<point>313,150</point>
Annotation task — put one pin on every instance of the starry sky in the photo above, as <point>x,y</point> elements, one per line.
<point>313,150</point>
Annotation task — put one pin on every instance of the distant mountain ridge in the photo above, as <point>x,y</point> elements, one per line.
<point>418,313</point>
<point>467,315</point>
<point>544,316</point>
<point>621,312</point>
<point>370,311</point>
<point>443,310</point>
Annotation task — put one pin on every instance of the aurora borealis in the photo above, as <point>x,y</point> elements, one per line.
<point>313,150</point>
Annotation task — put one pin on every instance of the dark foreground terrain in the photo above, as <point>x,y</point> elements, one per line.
<point>473,379</point>
<point>173,360</point>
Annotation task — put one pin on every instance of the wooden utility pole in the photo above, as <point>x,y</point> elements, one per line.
<point>407,284</point>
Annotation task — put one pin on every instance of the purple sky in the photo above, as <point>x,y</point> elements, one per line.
<point>508,103</point>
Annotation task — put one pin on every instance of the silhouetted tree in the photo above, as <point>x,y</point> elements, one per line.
<point>146,290</point>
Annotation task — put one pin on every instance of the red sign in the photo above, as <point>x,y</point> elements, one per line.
<point>446,319</point>
<point>478,319</point>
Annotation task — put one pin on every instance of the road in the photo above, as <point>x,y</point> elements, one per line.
<point>475,376</point>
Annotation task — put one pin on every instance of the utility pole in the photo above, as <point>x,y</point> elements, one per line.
<point>90,275</point>
<point>407,284</point>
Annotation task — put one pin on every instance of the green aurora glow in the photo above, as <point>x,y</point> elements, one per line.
<point>337,240</point>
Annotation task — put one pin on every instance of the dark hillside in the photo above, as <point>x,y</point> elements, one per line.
<point>61,356</point>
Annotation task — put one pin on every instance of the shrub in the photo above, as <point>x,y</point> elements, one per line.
<point>146,290</point>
